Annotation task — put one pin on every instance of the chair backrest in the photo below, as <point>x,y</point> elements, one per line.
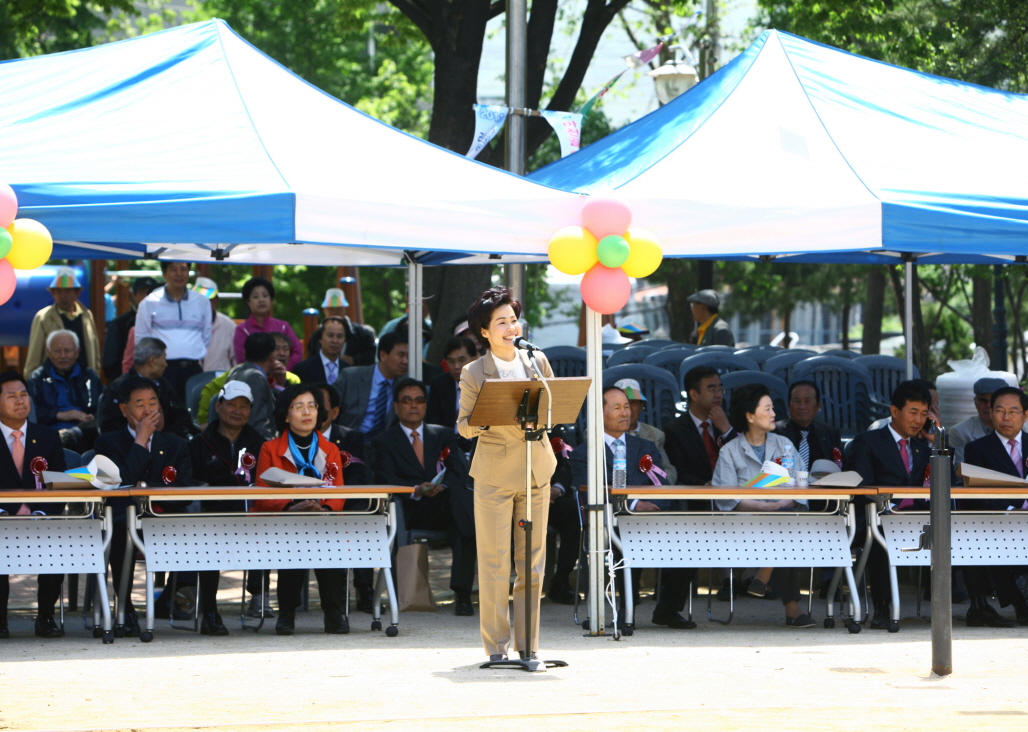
<point>707,349</point>
<point>72,459</point>
<point>723,362</point>
<point>778,388</point>
<point>690,347</point>
<point>636,354</point>
<point>781,364</point>
<point>760,354</point>
<point>668,359</point>
<point>87,456</point>
<point>655,343</point>
<point>845,391</point>
<point>566,360</point>
<point>660,389</point>
<point>195,385</point>
<point>886,374</point>
<point>840,353</point>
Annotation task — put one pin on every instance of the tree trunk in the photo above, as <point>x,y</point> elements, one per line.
<point>462,284</point>
<point>787,328</point>
<point>922,347</point>
<point>681,279</point>
<point>874,310</point>
<point>845,317</point>
<point>981,311</point>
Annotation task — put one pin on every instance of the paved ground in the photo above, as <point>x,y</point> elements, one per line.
<point>754,673</point>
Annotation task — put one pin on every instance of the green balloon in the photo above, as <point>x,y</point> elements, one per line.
<point>6,242</point>
<point>612,251</point>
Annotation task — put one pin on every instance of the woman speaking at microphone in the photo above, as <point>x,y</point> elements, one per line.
<point>499,472</point>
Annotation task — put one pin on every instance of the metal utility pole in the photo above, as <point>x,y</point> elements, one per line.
<point>517,53</point>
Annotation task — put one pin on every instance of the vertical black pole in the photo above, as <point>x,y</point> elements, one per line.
<point>999,322</point>
<point>942,589</point>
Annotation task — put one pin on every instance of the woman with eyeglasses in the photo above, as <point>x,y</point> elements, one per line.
<point>498,468</point>
<point>301,449</point>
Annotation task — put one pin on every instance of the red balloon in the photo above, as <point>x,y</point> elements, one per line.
<point>606,290</point>
<point>8,281</point>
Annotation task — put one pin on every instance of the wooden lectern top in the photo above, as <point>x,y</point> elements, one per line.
<point>499,400</point>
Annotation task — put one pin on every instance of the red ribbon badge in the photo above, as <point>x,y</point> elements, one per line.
<point>331,474</point>
<point>837,456</point>
<point>560,447</point>
<point>37,466</point>
<point>169,474</point>
<point>346,458</point>
<point>440,463</point>
<point>778,460</point>
<point>651,471</point>
<point>927,476</point>
<point>247,462</point>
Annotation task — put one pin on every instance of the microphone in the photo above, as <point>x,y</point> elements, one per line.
<point>524,345</point>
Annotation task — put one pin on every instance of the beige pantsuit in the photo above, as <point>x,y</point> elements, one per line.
<point>499,472</point>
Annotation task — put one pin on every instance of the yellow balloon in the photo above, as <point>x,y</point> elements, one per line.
<point>32,244</point>
<point>572,250</point>
<point>645,255</point>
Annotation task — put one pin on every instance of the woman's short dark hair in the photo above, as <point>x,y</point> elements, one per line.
<point>288,395</point>
<point>255,282</point>
<point>481,313</point>
<point>744,401</point>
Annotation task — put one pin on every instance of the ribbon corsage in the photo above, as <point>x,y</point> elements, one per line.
<point>247,462</point>
<point>560,447</point>
<point>37,466</point>
<point>331,473</point>
<point>440,463</point>
<point>837,456</point>
<point>169,474</point>
<point>652,471</point>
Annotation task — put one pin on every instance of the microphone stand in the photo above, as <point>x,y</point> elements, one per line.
<point>533,433</point>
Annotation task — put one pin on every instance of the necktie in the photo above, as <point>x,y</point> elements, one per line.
<point>1015,455</point>
<point>332,372</point>
<point>805,447</point>
<point>709,444</point>
<point>419,447</point>
<point>381,402</point>
<point>18,451</point>
<point>905,455</point>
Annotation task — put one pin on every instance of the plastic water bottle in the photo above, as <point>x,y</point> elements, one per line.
<point>789,463</point>
<point>620,466</point>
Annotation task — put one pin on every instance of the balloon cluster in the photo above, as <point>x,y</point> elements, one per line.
<point>24,243</point>
<point>607,252</point>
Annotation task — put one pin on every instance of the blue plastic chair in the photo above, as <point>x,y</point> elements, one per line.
<point>72,459</point>
<point>566,360</point>
<point>840,353</point>
<point>886,374</point>
<point>778,388</point>
<point>669,359</point>
<point>637,354</point>
<point>654,343</point>
<point>760,354</point>
<point>691,347</point>
<point>711,349</point>
<point>724,362</point>
<point>662,392</point>
<point>845,391</point>
<point>194,387</point>
<point>782,364</point>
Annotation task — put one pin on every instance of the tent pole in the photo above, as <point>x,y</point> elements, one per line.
<point>415,299</point>
<point>517,53</point>
<point>596,446</point>
<point>908,285</point>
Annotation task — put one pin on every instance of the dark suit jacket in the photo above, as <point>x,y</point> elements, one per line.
<point>822,440</point>
<point>395,464</point>
<point>876,457</point>
<point>990,452</point>
<point>312,370</point>
<point>718,334</point>
<point>39,442</point>
<point>635,448</point>
<point>354,387</point>
<point>442,401</point>
<point>684,446</point>
<point>136,464</point>
<point>352,442</point>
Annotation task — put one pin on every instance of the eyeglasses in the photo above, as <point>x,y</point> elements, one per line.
<point>304,407</point>
<point>1012,413</point>
<point>412,400</point>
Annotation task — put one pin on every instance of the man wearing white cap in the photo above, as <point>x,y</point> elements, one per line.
<point>711,330</point>
<point>221,355</point>
<point>636,401</point>
<point>67,313</point>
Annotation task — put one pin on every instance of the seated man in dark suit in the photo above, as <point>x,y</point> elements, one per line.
<point>23,441</point>
<point>444,389</point>
<point>891,456</point>
<point>149,362</point>
<point>1004,451</point>
<point>365,392</point>
<point>326,363</point>
<point>617,416</point>
<point>66,393</point>
<point>143,454</point>
<point>692,441</point>
<point>414,453</point>
<point>565,518</point>
<point>814,440</point>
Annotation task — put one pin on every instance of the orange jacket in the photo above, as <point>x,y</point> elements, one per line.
<point>275,454</point>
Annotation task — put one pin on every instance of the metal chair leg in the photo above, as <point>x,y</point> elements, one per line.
<point>731,599</point>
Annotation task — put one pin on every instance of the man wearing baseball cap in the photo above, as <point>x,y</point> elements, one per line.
<point>118,329</point>
<point>67,313</point>
<point>221,353</point>
<point>636,402</point>
<point>711,330</point>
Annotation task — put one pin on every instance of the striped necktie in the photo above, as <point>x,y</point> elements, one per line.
<point>805,447</point>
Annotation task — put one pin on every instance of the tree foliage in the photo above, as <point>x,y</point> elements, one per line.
<point>33,27</point>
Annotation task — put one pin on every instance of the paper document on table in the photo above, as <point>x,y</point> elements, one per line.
<point>771,474</point>
<point>975,477</point>
<point>100,472</point>
<point>848,479</point>
<point>284,479</point>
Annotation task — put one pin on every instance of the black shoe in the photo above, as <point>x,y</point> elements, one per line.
<point>671,619</point>
<point>528,656</point>
<point>364,599</point>
<point>1022,618</point>
<point>335,623</point>
<point>163,612</point>
<point>881,619</point>
<point>979,617</point>
<point>211,625</point>
<point>131,624</point>
<point>46,627</point>
<point>561,592</point>
<point>800,621</point>
<point>4,632</point>
<point>286,622</point>
<point>724,593</point>
<point>462,605</point>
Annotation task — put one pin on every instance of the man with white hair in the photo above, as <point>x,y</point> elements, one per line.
<point>221,354</point>
<point>67,313</point>
<point>66,393</point>
<point>636,402</point>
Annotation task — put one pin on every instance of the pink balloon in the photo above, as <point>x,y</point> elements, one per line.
<point>8,281</point>
<point>8,205</point>
<point>603,217</point>
<point>606,290</point>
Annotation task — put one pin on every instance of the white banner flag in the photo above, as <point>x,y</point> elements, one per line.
<point>488,122</point>
<point>568,127</point>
